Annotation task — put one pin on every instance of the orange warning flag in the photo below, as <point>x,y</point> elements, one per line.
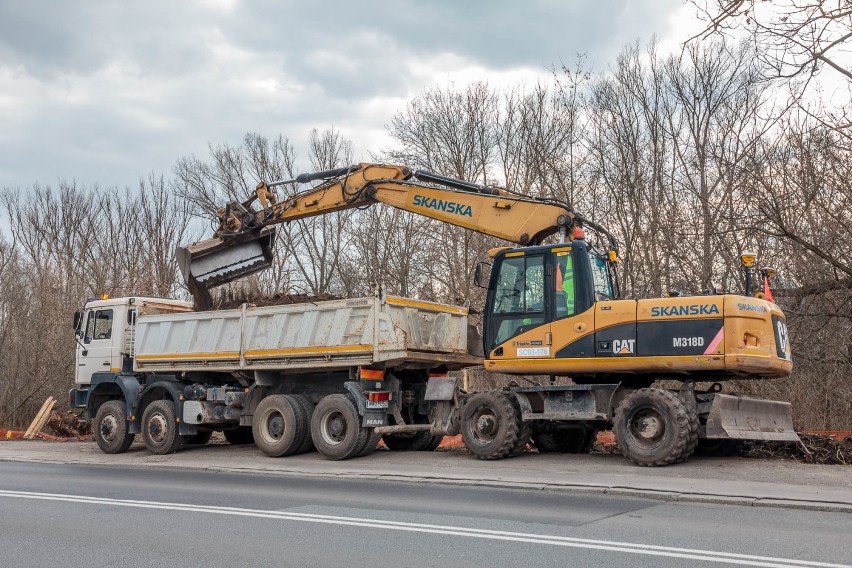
<point>766,291</point>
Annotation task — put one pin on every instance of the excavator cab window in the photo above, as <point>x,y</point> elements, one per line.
<point>519,297</point>
<point>563,285</point>
<point>601,277</point>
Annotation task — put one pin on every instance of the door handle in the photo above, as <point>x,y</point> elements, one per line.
<point>106,363</point>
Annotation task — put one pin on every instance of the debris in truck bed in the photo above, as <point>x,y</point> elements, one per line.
<point>813,449</point>
<point>232,301</point>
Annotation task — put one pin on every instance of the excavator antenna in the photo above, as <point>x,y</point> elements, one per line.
<point>219,260</point>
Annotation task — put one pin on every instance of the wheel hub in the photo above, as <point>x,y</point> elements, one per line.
<point>109,428</point>
<point>648,426</point>
<point>334,428</point>
<point>157,427</point>
<point>275,426</point>
<point>486,425</point>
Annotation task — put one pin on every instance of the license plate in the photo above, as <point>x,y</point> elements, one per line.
<point>376,404</point>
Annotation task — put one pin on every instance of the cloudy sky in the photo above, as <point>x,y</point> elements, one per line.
<point>103,92</point>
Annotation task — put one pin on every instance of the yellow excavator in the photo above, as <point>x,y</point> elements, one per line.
<point>551,309</point>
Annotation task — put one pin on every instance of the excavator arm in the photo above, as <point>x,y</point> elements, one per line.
<point>243,241</point>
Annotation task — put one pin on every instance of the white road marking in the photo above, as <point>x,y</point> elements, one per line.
<point>614,546</point>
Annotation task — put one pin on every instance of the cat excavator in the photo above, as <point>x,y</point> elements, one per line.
<point>552,308</point>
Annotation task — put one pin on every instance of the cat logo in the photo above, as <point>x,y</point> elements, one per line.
<point>623,346</point>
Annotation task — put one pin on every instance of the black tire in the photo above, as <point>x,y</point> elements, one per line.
<point>411,442</point>
<point>199,439</point>
<point>111,428</point>
<point>308,406</point>
<point>552,440</point>
<point>489,425</point>
<point>524,431</point>
<point>370,443</point>
<point>336,428</point>
<point>653,427</point>
<point>718,448</point>
<point>694,428</point>
<point>433,444</point>
<point>239,436</point>
<point>279,425</point>
<point>160,429</point>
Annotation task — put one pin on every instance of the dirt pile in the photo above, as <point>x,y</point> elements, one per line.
<point>229,302</point>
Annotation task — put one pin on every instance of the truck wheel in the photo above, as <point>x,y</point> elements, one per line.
<point>111,428</point>
<point>336,428</point>
<point>279,425</point>
<point>199,439</point>
<point>370,444</point>
<point>159,428</point>
<point>433,444</point>
<point>652,427</point>
<point>411,442</point>
<point>489,425</point>
<point>239,436</point>
<point>308,406</point>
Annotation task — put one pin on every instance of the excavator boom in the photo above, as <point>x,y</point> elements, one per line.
<point>242,244</point>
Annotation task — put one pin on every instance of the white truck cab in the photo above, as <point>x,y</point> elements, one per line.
<point>105,334</point>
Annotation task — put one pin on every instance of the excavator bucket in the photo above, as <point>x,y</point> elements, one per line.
<point>744,418</point>
<point>217,261</point>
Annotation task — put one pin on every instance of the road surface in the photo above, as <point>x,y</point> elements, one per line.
<point>91,515</point>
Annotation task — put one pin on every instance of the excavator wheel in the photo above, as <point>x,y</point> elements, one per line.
<point>412,442</point>
<point>653,427</point>
<point>490,426</point>
<point>694,427</point>
<point>524,431</point>
<point>565,440</point>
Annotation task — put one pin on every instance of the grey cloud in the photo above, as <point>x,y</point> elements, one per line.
<point>124,88</point>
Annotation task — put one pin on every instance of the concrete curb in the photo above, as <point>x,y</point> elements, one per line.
<point>601,489</point>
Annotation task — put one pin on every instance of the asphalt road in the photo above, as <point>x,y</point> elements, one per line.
<point>84,515</point>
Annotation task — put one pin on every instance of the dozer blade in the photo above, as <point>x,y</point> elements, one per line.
<point>217,261</point>
<point>744,418</point>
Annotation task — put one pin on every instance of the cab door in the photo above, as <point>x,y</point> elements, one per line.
<point>97,351</point>
<point>518,311</point>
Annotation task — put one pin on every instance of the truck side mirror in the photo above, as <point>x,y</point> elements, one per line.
<point>477,274</point>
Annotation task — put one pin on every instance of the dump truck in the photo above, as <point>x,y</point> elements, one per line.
<point>552,309</point>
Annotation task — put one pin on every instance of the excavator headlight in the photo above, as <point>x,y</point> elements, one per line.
<point>613,256</point>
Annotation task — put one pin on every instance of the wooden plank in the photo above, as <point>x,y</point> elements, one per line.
<point>41,418</point>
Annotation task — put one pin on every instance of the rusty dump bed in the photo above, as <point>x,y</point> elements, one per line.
<point>337,334</point>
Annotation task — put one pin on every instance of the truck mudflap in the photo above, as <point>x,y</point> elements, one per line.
<point>744,418</point>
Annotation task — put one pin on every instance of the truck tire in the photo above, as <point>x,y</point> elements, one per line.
<point>411,442</point>
<point>652,427</point>
<point>160,429</point>
<point>308,406</point>
<point>279,425</point>
<point>111,428</point>
<point>336,428</point>
<point>239,436</point>
<point>433,444</point>
<point>370,444</point>
<point>490,425</point>
<point>199,439</point>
